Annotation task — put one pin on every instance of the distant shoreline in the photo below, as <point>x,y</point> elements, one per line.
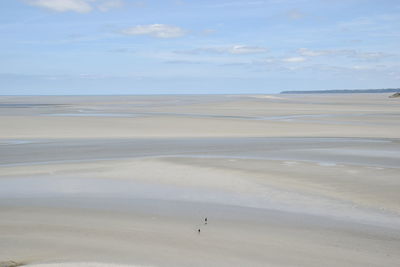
<point>354,91</point>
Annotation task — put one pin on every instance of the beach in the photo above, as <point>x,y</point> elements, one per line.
<point>283,180</point>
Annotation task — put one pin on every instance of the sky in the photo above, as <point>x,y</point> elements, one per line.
<point>91,47</point>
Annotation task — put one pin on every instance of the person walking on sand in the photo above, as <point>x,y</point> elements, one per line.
<point>198,230</point>
<point>205,220</point>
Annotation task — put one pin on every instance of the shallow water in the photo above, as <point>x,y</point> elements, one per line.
<point>358,151</point>
<point>123,193</point>
<point>92,115</point>
<point>382,153</point>
<point>283,118</point>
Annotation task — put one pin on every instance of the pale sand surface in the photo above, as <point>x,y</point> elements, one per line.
<point>79,264</point>
<point>288,180</point>
<point>199,116</point>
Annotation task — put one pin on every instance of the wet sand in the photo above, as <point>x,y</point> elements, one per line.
<point>293,180</point>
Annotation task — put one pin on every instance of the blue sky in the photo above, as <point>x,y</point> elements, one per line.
<point>66,47</point>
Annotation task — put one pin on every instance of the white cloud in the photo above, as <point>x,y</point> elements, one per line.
<point>156,30</point>
<point>361,67</point>
<point>371,55</point>
<point>395,75</point>
<point>243,49</point>
<point>312,53</point>
<point>268,60</point>
<point>317,53</point>
<point>350,53</point>
<point>80,6</point>
<point>208,31</point>
<point>294,59</point>
<point>232,49</point>
<point>295,14</point>
<point>237,4</point>
<point>107,5</point>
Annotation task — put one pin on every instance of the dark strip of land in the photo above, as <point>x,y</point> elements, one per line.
<point>355,91</point>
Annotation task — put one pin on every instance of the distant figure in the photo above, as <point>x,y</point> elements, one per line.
<point>205,220</point>
<point>198,231</point>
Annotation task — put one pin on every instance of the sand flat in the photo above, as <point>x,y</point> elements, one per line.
<point>293,180</point>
